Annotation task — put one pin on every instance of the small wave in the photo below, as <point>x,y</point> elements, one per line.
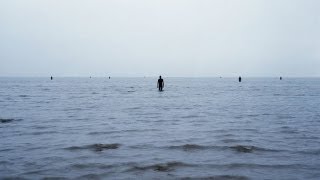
<point>251,129</point>
<point>230,140</point>
<point>263,166</point>
<point>289,131</point>
<point>195,147</point>
<point>92,165</point>
<point>219,177</point>
<point>189,147</point>
<point>244,149</point>
<point>250,149</point>
<point>190,116</point>
<point>121,131</point>
<point>141,146</point>
<point>133,108</point>
<point>43,132</point>
<point>8,99</point>
<point>43,127</point>
<point>54,178</point>
<point>73,109</point>
<point>184,108</point>
<point>266,114</point>
<point>23,95</point>
<point>6,120</point>
<point>89,176</point>
<point>277,94</point>
<point>102,132</point>
<point>95,147</point>
<point>285,117</point>
<point>5,163</point>
<point>162,167</point>
<point>5,150</point>
<point>13,178</point>
<point>238,117</point>
<point>30,148</point>
<point>311,152</point>
<point>9,120</point>
<point>238,148</point>
<point>35,172</point>
<point>253,115</point>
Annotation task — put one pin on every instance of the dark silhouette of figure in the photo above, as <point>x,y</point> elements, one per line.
<point>160,84</point>
<point>51,78</point>
<point>280,78</point>
<point>240,78</point>
<point>109,77</point>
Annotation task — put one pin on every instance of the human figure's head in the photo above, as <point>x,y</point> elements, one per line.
<point>159,77</point>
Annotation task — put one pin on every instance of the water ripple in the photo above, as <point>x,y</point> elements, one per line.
<point>163,167</point>
<point>237,148</point>
<point>94,147</point>
<point>218,177</point>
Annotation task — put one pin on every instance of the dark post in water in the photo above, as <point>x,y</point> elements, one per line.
<point>160,84</point>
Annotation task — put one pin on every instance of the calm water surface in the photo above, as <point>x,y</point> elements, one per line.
<point>123,128</point>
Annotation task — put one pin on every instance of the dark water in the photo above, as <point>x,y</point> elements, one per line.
<point>123,128</point>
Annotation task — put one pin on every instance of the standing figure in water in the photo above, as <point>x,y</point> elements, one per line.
<point>160,83</point>
<point>239,78</point>
<point>51,77</point>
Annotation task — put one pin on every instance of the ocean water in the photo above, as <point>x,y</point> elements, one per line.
<point>124,128</point>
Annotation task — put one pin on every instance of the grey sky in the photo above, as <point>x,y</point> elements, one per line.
<point>152,37</point>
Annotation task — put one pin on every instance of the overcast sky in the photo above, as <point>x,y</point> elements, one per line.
<point>152,37</point>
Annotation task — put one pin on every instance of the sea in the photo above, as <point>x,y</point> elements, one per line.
<point>124,128</point>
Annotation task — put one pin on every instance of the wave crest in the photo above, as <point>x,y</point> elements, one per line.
<point>95,147</point>
<point>219,177</point>
<point>162,167</point>
<point>238,148</point>
<point>7,120</point>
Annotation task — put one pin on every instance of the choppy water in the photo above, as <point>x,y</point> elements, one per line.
<point>123,128</point>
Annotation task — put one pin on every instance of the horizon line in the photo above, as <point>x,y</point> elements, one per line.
<point>158,76</point>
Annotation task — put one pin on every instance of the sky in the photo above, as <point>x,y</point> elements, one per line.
<point>172,38</point>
